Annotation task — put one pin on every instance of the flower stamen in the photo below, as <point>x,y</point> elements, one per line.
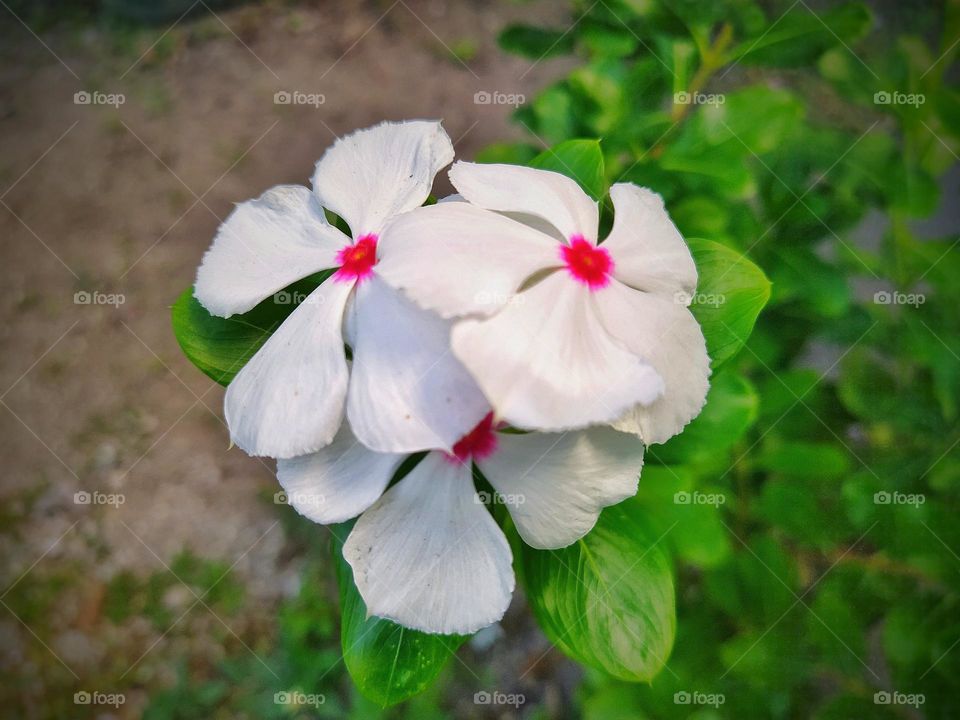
<point>480,442</point>
<point>587,263</point>
<point>357,260</point>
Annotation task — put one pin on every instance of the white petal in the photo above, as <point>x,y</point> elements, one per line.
<point>338,482</point>
<point>556,484</point>
<point>665,333</point>
<point>459,259</point>
<point>512,188</point>
<point>429,556</point>
<point>288,399</point>
<point>371,175</point>
<point>263,246</point>
<point>647,249</point>
<point>408,392</point>
<point>546,362</point>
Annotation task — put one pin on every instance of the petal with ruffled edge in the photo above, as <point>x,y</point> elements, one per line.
<point>371,175</point>
<point>542,193</point>
<point>648,251</point>
<point>429,556</point>
<point>546,362</point>
<point>459,259</point>
<point>263,246</point>
<point>664,333</point>
<point>288,399</point>
<point>338,482</point>
<point>408,392</point>
<point>556,484</point>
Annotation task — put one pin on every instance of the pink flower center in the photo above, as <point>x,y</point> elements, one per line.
<point>587,263</point>
<point>357,260</point>
<point>478,443</point>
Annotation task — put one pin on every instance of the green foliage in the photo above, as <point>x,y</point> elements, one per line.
<point>535,43</point>
<point>607,600</point>
<point>731,291</point>
<point>129,595</point>
<point>581,160</point>
<point>808,508</point>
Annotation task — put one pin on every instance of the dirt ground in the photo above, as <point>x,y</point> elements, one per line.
<point>120,203</point>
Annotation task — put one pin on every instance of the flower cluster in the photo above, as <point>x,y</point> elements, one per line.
<point>493,328</point>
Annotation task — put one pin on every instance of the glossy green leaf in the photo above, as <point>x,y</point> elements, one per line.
<point>607,600</point>
<point>731,292</point>
<point>581,160</point>
<point>388,662</point>
<point>220,347</point>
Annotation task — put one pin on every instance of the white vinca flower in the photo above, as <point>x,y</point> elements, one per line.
<point>560,331</point>
<point>289,399</point>
<point>427,554</point>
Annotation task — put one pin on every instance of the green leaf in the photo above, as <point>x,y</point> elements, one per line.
<point>722,166</point>
<point>796,508</point>
<point>602,89</point>
<point>799,36</point>
<point>220,347</point>
<point>804,459</point>
<point>607,600</point>
<point>731,409</point>
<point>607,41</point>
<point>551,115</point>
<point>512,153</point>
<point>757,120</point>
<point>688,513</point>
<point>388,662</point>
<point>581,160</point>
<point>801,276</point>
<point>731,291</point>
<point>534,42</point>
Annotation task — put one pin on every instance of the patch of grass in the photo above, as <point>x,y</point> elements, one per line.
<point>464,49</point>
<point>35,597</point>
<point>128,595</point>
<point>210,579</point>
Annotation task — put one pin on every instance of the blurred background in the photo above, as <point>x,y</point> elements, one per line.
<point>811,512</point>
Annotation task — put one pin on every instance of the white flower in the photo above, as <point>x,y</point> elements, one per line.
<point>289,399</point>
<point>428,555</point>
<point>579,333</point>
